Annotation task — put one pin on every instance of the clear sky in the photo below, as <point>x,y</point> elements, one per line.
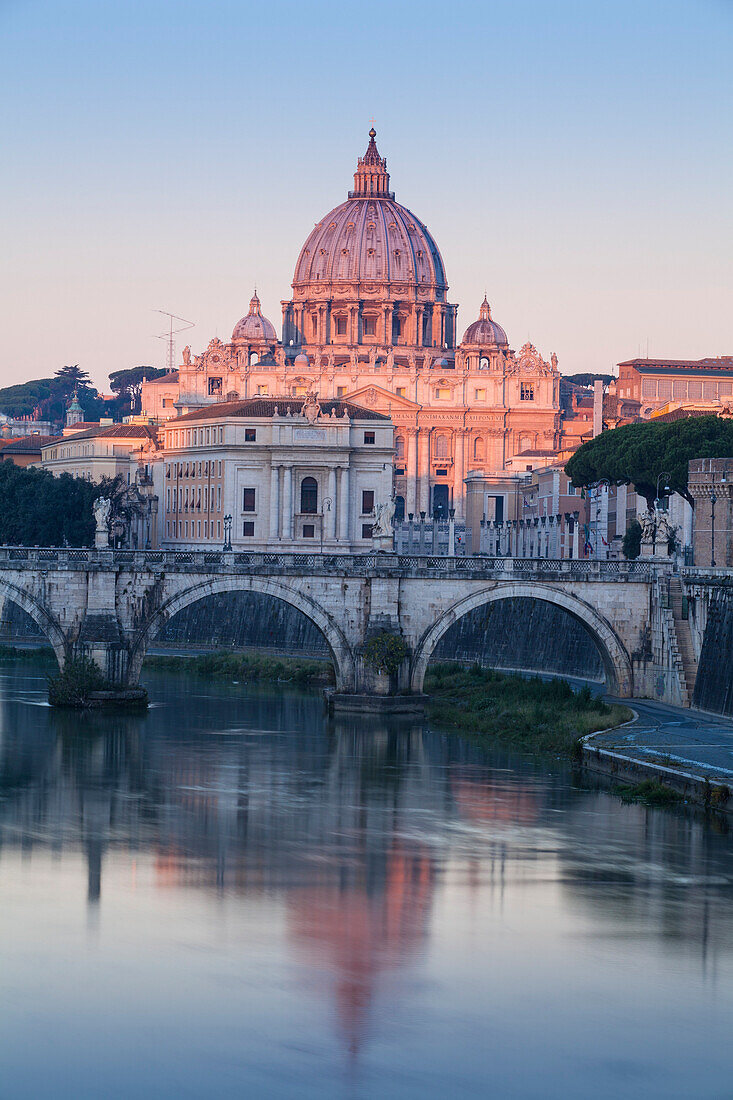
<point>571,157</point>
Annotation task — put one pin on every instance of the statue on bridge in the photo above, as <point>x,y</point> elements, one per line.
<point>382,529</point>
<point>102,511</point>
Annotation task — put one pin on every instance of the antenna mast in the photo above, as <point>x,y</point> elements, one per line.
<point>169,335</point>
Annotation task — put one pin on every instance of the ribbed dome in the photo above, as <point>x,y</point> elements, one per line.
<point>254,326</point>
<point>485,331</point>
<point>370,237</point>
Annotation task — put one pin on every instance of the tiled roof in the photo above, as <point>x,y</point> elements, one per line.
<point>681,414</point>
<point>171,376</point>
<point>265,406</point>
<point>28,444</point>
<point>721,362</point>
<point>115,431</point>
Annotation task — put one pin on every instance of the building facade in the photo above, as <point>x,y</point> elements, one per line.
<point>287,474</point>
<point>660,383</point>
<point>369,319</point>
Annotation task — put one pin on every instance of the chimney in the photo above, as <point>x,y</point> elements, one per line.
<point>597,407</point>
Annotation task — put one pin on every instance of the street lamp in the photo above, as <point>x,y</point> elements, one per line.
<point>713,500</point>
<point>227,533</point>
<point>663,476</point>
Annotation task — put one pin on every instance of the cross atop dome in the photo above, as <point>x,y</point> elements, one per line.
<point>371,179</point>
<point>485,311</point>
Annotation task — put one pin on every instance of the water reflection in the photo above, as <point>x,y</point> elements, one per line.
<point>404,882</point>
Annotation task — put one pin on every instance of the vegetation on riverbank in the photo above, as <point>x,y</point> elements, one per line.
<point>248,668</point>
<point>650,792</point>
<point>73,686</point>
<point>542,716</point>
<point>33,654</point>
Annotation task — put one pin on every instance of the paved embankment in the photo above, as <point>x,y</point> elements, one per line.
<point>688,750</point>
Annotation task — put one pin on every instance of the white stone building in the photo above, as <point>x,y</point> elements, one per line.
<point>291,474</point>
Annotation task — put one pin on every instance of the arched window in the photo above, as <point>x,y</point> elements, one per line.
<point>399,509</point>
<point>309,495</point>
<point>254,359</point>
<point>441,446</point>
<point>478,449</point>
<point>526,443</point>
<point>399,447</point>
<point>484,364</point>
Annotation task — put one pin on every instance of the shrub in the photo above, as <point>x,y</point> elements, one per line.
<point>385,652</point>
<point>73,686</point>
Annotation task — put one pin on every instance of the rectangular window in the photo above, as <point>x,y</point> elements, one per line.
<point>198,528</point>
<point>214,386</point>
<point>400,391</point>
<point>366,530</point>
<point>370,326</point>
<point>367,502</point>
<point>309,530</point>
<point>218,498</point>
<point>442,393</point>
<point>219,467</point>
<point>206,528</point>
<point>399,472</point>
<point>441,473</point>
<point>248,500</point>
<point>248,529</point>
<point>298,391</point>
<point>340,326</point>
<point>479,395</point>
<point>340,391</point>
<point>218,529</point>
<point>263,389</point>
<point>250,435</point>
<point>369,437</point>
<point>208,435</point>
<point>221,437</point>
<point>526,391</point>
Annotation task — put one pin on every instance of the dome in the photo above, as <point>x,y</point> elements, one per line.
<point>370,238</point>
<point>302,361</point>
<point>485,331</point>
<point>254,326</point>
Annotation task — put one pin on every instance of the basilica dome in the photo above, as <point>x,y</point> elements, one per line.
<point>254,326</point>
<point>485,331</point>
<point>371,239</point>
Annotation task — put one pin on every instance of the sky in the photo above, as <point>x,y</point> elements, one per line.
<point>572,158</point>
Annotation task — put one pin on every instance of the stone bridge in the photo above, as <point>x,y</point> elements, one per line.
<point>113,604</point>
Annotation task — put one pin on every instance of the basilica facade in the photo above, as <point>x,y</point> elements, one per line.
<point>369,320</point>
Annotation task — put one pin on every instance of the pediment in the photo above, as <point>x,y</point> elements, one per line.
<point>375,397</point>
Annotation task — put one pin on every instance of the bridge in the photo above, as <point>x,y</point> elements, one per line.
<point>112,604</point>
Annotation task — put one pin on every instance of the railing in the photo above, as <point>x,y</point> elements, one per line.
<point>13,557</point>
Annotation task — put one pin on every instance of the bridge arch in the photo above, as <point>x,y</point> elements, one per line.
<point>341,653</point>
<point>616,660</point>
<point>42,617</point>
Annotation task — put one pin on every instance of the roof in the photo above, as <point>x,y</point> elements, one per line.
<point>681,414</point>
<point>265,406</point>
<point>28,444</point>
<point>170,377</point>
<point>112,431</point>
<point>722,362</point>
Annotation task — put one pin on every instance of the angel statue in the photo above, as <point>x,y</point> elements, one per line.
<point>383,516</point>
<point>102,508</point>
<point>648,523</point>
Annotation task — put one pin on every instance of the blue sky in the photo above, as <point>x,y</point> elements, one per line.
<point>572,159</point>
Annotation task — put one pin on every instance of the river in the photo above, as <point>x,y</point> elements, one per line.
<point>234,896</point>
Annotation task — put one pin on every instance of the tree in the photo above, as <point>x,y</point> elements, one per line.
<point>638,453</point>
<point>631,545</point>
<point>73,377</point>
<point>587,379</point>
<point>38,509</point>
<point>24,399</point>
<point>128,384</point>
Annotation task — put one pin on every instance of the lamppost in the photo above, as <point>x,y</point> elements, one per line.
<point>713,500</point>
<point>663,476</point>
<point>604,483</point>
<point>325,507</point>
<point>227,533</point>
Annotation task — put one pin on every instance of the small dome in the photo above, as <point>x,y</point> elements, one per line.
<point>485,331</point>
<point>254,326</point>
<point>442,363</point>
<point>302,361</point>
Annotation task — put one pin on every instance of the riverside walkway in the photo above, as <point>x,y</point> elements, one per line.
<point>691,751</point>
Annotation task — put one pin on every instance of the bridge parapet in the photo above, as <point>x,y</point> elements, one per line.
<point>351,565</point>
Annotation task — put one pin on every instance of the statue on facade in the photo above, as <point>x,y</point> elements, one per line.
<point>187,356</point>
<point>648,523</point>
<point>666,535</point>
<point>311,410</point>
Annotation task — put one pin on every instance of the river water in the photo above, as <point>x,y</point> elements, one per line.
<point>234,896</point>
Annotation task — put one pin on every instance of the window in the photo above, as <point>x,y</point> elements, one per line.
<point>221,436</point>
<point>208,436</point>
<point>400,471</point>
<point>441,446</point>
<point>479,395</point>
<point>400,391</point>
<point>314,324</point>
<point>399,447</point>
<point>262,390</point>
<point>198,528</point>
<point>367,502</point>
<point>369,437</point>
<point>399,509</point>
<point>298,391</point>
<point>396,328</point>
<point>441,473</point>
<point>214,386</point>
<point>366,530</point>
<point>483,364</point>
<point>370,326</point>
<point>442,393</point>
<point>309,530</point>
<point>341,326</point>
<point>309,496</point>
<point>218,529</point>
<point>248,500</point>
<point>340,391</point>
<point>248,529</point>
<point>526,391</point>
<point>478,449</point>
<point>250,435</point>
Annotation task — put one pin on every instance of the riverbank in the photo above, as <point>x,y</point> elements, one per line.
<point>540,716</point>
<point>247,668</point>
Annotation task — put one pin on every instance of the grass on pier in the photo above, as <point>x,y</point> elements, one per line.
<point>542,716</point>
